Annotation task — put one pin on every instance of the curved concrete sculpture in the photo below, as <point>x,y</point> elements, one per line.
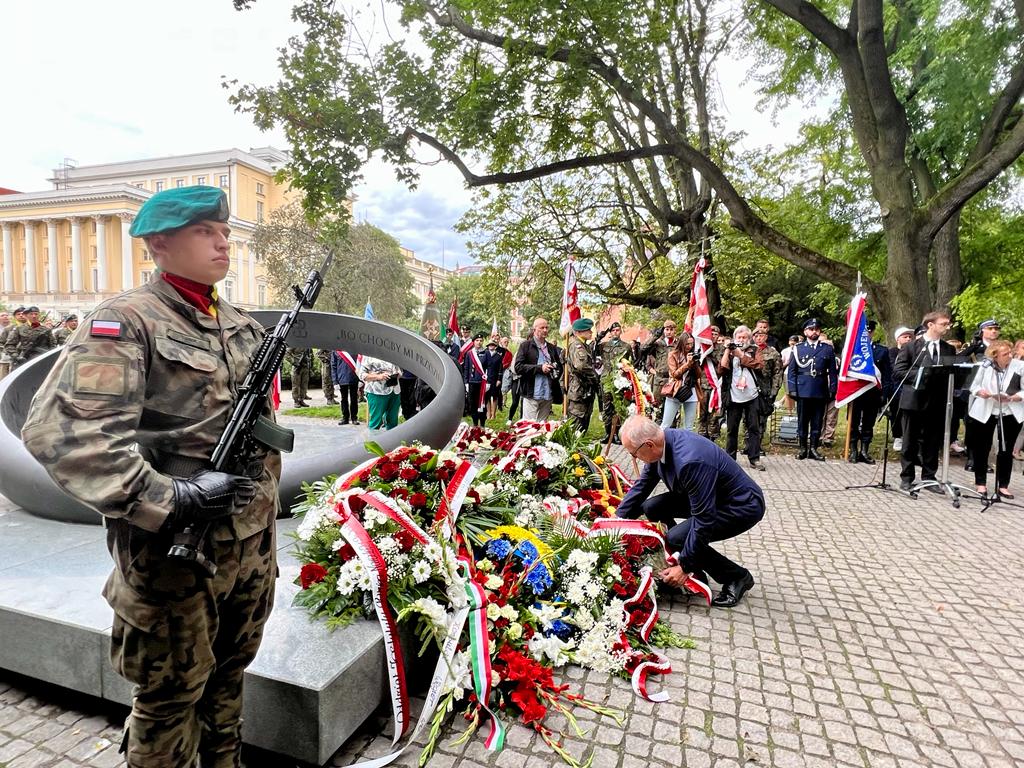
<point>23,480</point>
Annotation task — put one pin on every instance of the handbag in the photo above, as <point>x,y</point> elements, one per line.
<point>668,389</point>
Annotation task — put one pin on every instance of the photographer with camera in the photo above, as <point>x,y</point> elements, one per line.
<point>539,365</point>
<point>383,392</point>
<point>683,389</point>
<point>654,356</point>
<point>739,369</point>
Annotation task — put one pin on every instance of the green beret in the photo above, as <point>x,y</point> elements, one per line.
<point>583,324</point>
<point>179,207</point>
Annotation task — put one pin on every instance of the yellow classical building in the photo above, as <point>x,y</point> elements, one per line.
<point>67,249</point>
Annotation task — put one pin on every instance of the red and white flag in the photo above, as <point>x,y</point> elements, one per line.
<point>453,319</point>
<point>570,300</point>
<point>698,324</point>
<point>857,370</point>
<point>275,391</point>
<point>494,327</point>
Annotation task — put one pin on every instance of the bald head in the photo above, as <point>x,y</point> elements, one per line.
<point>642,438</point>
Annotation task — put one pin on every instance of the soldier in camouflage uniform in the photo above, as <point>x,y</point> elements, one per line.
<point>583,379</point>
<point>28,340</point>
<point>610,351</point>
<point>62,334</point>
<point>6,324</point>
<point>655,354</point>
<point>302,362</point>
<point>769,380</point>
<point>324,356</point>
<point>126,423</point>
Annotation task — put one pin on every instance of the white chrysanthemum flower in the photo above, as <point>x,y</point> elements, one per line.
<point>338,544</point>
<point>432,551</point>
<point>576,595</point>
<point>388,547</point>
<point>364,582</point>
<point>595,650</point>
<point>620,382</point>
<point>312,520</point>
<point>583,619</point>
<point>614,571</point>
<point>524,520</point>
<point>420,571</point>
<point>345,585</point>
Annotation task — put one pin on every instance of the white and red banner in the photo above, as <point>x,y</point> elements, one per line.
<point>453,318</point>
<point>857,370</point>
<point>570,300</point>
<point>275,391</point>
<point>698,324</point>
<point>347,358</point>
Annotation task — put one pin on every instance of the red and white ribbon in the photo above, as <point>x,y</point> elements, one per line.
<point>474,357</point>
<point>659,665</point>
<point>645,587</point>
<point>347,358</point>
<point>344,482</point>
<point>453,496</point>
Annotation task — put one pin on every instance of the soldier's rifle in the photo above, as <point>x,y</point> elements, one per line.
<point>248,433</point>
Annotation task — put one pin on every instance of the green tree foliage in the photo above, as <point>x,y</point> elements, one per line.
<point>368,265</point>
<point>539,90</point>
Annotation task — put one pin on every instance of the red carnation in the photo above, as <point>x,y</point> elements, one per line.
<point>408,473</point>
<point>399,493</point>
<point>405,540</point>
<point>312,573</point>
<point>418,499</point>
<point>628,396</point>
<point>443,475</point>
<point>346,553</point>
<point>388,472</point>
<point>542,473</point>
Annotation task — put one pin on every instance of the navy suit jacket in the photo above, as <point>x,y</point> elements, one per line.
<point>717,492</point>
<point>800,383</point>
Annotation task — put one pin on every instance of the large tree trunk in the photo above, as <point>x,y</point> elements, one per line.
<point>949,277</point>
<point>903,297</point>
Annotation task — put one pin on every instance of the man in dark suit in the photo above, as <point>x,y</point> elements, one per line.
<point>811,380</point>
<point>923,399</point>
<point>708,491</point>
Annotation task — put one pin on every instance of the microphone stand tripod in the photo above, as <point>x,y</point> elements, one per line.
<point>882,486</point>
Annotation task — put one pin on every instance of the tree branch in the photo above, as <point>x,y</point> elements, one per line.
<point>995,123</point>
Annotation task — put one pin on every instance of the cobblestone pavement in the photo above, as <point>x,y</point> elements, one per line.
<point>883,631</point>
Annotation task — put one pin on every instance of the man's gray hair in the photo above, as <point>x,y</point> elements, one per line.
<point>740,329</point>
<point>640,429</point>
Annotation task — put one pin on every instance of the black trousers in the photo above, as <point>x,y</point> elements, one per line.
<point>674,510</point>
<point>407,397</point>
<point>750,413</point>
<point>514,404</point>
<point>863,413</point>
<point>348,396</point>
<point>810,412</point>
<point>473,404</point>
<point>922,441</point>
<point>896,418</point>
<point>983,434</point>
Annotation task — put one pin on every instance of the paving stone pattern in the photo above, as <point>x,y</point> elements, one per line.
<point>883,631</point>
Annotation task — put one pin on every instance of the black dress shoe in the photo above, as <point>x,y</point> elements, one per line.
<point>733,592</point>
<point>813,454</point>
<point>906,485</point>
<point>343,422</point>
<point>1004,494</point>
<point>863,458</point>
<point>853,457</point>
<point>969,466</point>
<point>802,455</point>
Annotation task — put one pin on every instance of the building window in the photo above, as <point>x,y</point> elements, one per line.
<point>259,187</point>
<point>179,183</point>
<point>223,181</point>
<point>145,254</point>
<point>70,281</point>
<point>146,275</point>
<point>259,210</point>
<point>261,295</point>
<point>46,279</point>
<point>159,186</point>
<point>229,290</point>
<point>201,180</point>
<point>95,278</point>
<point>139,184</point>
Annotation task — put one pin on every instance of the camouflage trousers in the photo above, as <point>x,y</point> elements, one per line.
<point>580,411</point>
<point>185,641</point>
<point>300,383</point>
<point>328,382</point>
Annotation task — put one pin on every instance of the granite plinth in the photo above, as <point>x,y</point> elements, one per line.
<point>306,692</point>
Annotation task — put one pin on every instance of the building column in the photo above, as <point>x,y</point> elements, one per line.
<point>30,257</point>
<point>127,267</point>
<point>77,283</point>
<point>8,258</point>
<point>252,274</point>
<point>53,263</point>
<point>101,254</point>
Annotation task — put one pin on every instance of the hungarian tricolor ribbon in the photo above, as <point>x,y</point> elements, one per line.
<point>480,655</point>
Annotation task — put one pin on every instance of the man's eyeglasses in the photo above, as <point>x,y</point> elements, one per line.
<point>636,450</point>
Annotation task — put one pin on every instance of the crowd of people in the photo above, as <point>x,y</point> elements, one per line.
<point>25,334</point>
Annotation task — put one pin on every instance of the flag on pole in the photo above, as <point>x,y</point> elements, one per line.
<point>857,370</point>
<point>570,300</point>
<point>275,391</point>
<point>368,311</point>
<point>698,324</point>
<point>494,327</point>
<point>430,324</point>
<point>453,319</point>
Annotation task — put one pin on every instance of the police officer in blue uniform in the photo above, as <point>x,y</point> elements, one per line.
<point>811,380</point>
<point>864,409</point>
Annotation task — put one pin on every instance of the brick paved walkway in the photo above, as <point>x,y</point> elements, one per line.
<point>883,631</point>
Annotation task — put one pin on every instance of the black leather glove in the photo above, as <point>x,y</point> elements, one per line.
<point>602,334</point>
<point>657,333</point>
<point>209,495</point>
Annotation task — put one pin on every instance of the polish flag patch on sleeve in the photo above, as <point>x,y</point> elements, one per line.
<point>110,329</point>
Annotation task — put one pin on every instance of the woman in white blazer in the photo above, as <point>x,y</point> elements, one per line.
<point>997,408</point>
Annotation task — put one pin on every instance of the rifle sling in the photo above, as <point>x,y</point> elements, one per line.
<point>273,435</point>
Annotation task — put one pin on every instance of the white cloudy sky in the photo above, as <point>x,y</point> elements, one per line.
<point>113,80</point>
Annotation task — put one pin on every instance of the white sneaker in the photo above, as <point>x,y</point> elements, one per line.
<point>897,444</point>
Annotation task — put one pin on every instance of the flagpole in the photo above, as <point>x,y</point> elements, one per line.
<point>849,409</point>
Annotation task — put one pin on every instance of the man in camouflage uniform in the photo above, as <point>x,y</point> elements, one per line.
<point>302,362</point>
<point>583,379</point>
<point>655,355</point>
<point>769,380</point>
<point>126,423</point>
<point>28,340</point>
<point>324,356</point>
<point>610,351</point>
<point>62,334</point>
<point>5,325</point>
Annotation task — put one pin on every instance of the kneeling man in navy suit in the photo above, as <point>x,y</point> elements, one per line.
<point>708,491</point>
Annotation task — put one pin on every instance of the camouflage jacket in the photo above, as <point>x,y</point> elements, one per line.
<point>611,351</point>
<point>61,336</point>
<point>141,393</point>
<point>299,358</point>
<point>324,356</point>
<point>769,380</point>
<point>583,380</point>
<point>25,342</point>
